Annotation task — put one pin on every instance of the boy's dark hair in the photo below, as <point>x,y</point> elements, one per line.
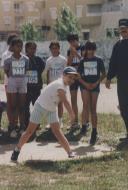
<point>11,37</point>
<point>29,44</point>
<point>16,41</point>
<point>72,37</point>
<point>54,43</point>
<point>90,45</point>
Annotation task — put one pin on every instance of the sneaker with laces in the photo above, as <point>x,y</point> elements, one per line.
<point>13,134</point>
<point>94,137</point>
<point>124,138</point>
<point>15,155</point>
<point>85,129</point>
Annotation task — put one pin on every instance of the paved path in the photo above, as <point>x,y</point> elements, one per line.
<point>51,151</point>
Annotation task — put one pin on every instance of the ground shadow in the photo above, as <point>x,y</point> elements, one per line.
<point>5,139</point>
<point>122,145</point>
<point>47,135</point>
<point>6,148</point>
<point>82,151</point>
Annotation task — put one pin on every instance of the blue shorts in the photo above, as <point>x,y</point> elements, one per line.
<point>39,112</point>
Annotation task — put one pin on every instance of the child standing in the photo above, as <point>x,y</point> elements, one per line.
<point>46,105</point>
<point>92,72</point>
<point>34,86</point>
<point>55,65</point>
<point>74,55</point>
<point>15,68</point>
<point>5,55</point>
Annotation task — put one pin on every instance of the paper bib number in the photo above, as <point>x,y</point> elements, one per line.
<point>32,77</point>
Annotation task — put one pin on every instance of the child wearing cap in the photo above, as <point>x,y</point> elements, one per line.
<point>92,72</point>
<point>46,106</point>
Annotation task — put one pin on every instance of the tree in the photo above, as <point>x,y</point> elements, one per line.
<point>66,23</point>
<point>29,32</point>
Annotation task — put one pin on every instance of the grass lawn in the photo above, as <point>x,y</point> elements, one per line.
<point>106,173</point>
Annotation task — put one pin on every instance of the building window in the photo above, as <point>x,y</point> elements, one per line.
<point>112,32</point>
<point>94,10</point>
<point>7,20</point>
<point>18,7</point>
<point>86,35</point>
<point>79,9</point>
<point>6,5</point>
<point>53,12</point>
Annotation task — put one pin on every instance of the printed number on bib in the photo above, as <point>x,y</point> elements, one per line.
<point>18,68</point>
<point>90,68</point>
<point>32,77</point>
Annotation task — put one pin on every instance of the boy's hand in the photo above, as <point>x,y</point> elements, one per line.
<point>94,85</point>
<point>78,76</point>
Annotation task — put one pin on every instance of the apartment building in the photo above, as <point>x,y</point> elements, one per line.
<point>112,11</point>
<point>43,14</point>
<point>97,18</point>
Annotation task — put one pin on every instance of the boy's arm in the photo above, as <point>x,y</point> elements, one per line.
<point>63,98</point>
<point>48,77</point>
<point>6,68</point>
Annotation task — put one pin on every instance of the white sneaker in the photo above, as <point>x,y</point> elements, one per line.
<point>13,134</point>
<point>47,126</point>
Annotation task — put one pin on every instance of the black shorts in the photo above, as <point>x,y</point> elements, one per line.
<point>97,89</point>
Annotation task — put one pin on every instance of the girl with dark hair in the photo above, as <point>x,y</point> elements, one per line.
<point>92,72</point>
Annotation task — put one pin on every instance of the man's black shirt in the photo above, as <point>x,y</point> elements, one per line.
<point>118,65</point>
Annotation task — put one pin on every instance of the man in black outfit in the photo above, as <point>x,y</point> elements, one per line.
<point>36,67</point>
<point>118,67</point>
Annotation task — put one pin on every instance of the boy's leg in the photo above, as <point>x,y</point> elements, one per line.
<point>27,108</point>
<point>12,101</point>
<point>94,98</point>
<point>60,113</point>
<point>60,137</point>
<point>74,103</point>
<point>21,100</point>
<point>24,138</point>
<point>73,92</point>
<point>27,134</point>
<point>85,112</point>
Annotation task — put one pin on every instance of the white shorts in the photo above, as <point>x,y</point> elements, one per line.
<point>39,112</point>
<point>17,85</point>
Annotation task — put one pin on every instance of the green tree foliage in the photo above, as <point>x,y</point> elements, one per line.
<point>66,23</point>
<point>29,32</point>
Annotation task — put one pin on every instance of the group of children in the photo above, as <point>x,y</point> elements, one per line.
<point>81,69</point>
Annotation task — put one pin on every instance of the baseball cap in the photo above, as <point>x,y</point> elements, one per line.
<point>70,70</point>
<point>123,22</point>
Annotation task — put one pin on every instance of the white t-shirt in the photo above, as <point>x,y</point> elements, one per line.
<point>55,66</point>
<point>49,98</point>
<point>5,55</point>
